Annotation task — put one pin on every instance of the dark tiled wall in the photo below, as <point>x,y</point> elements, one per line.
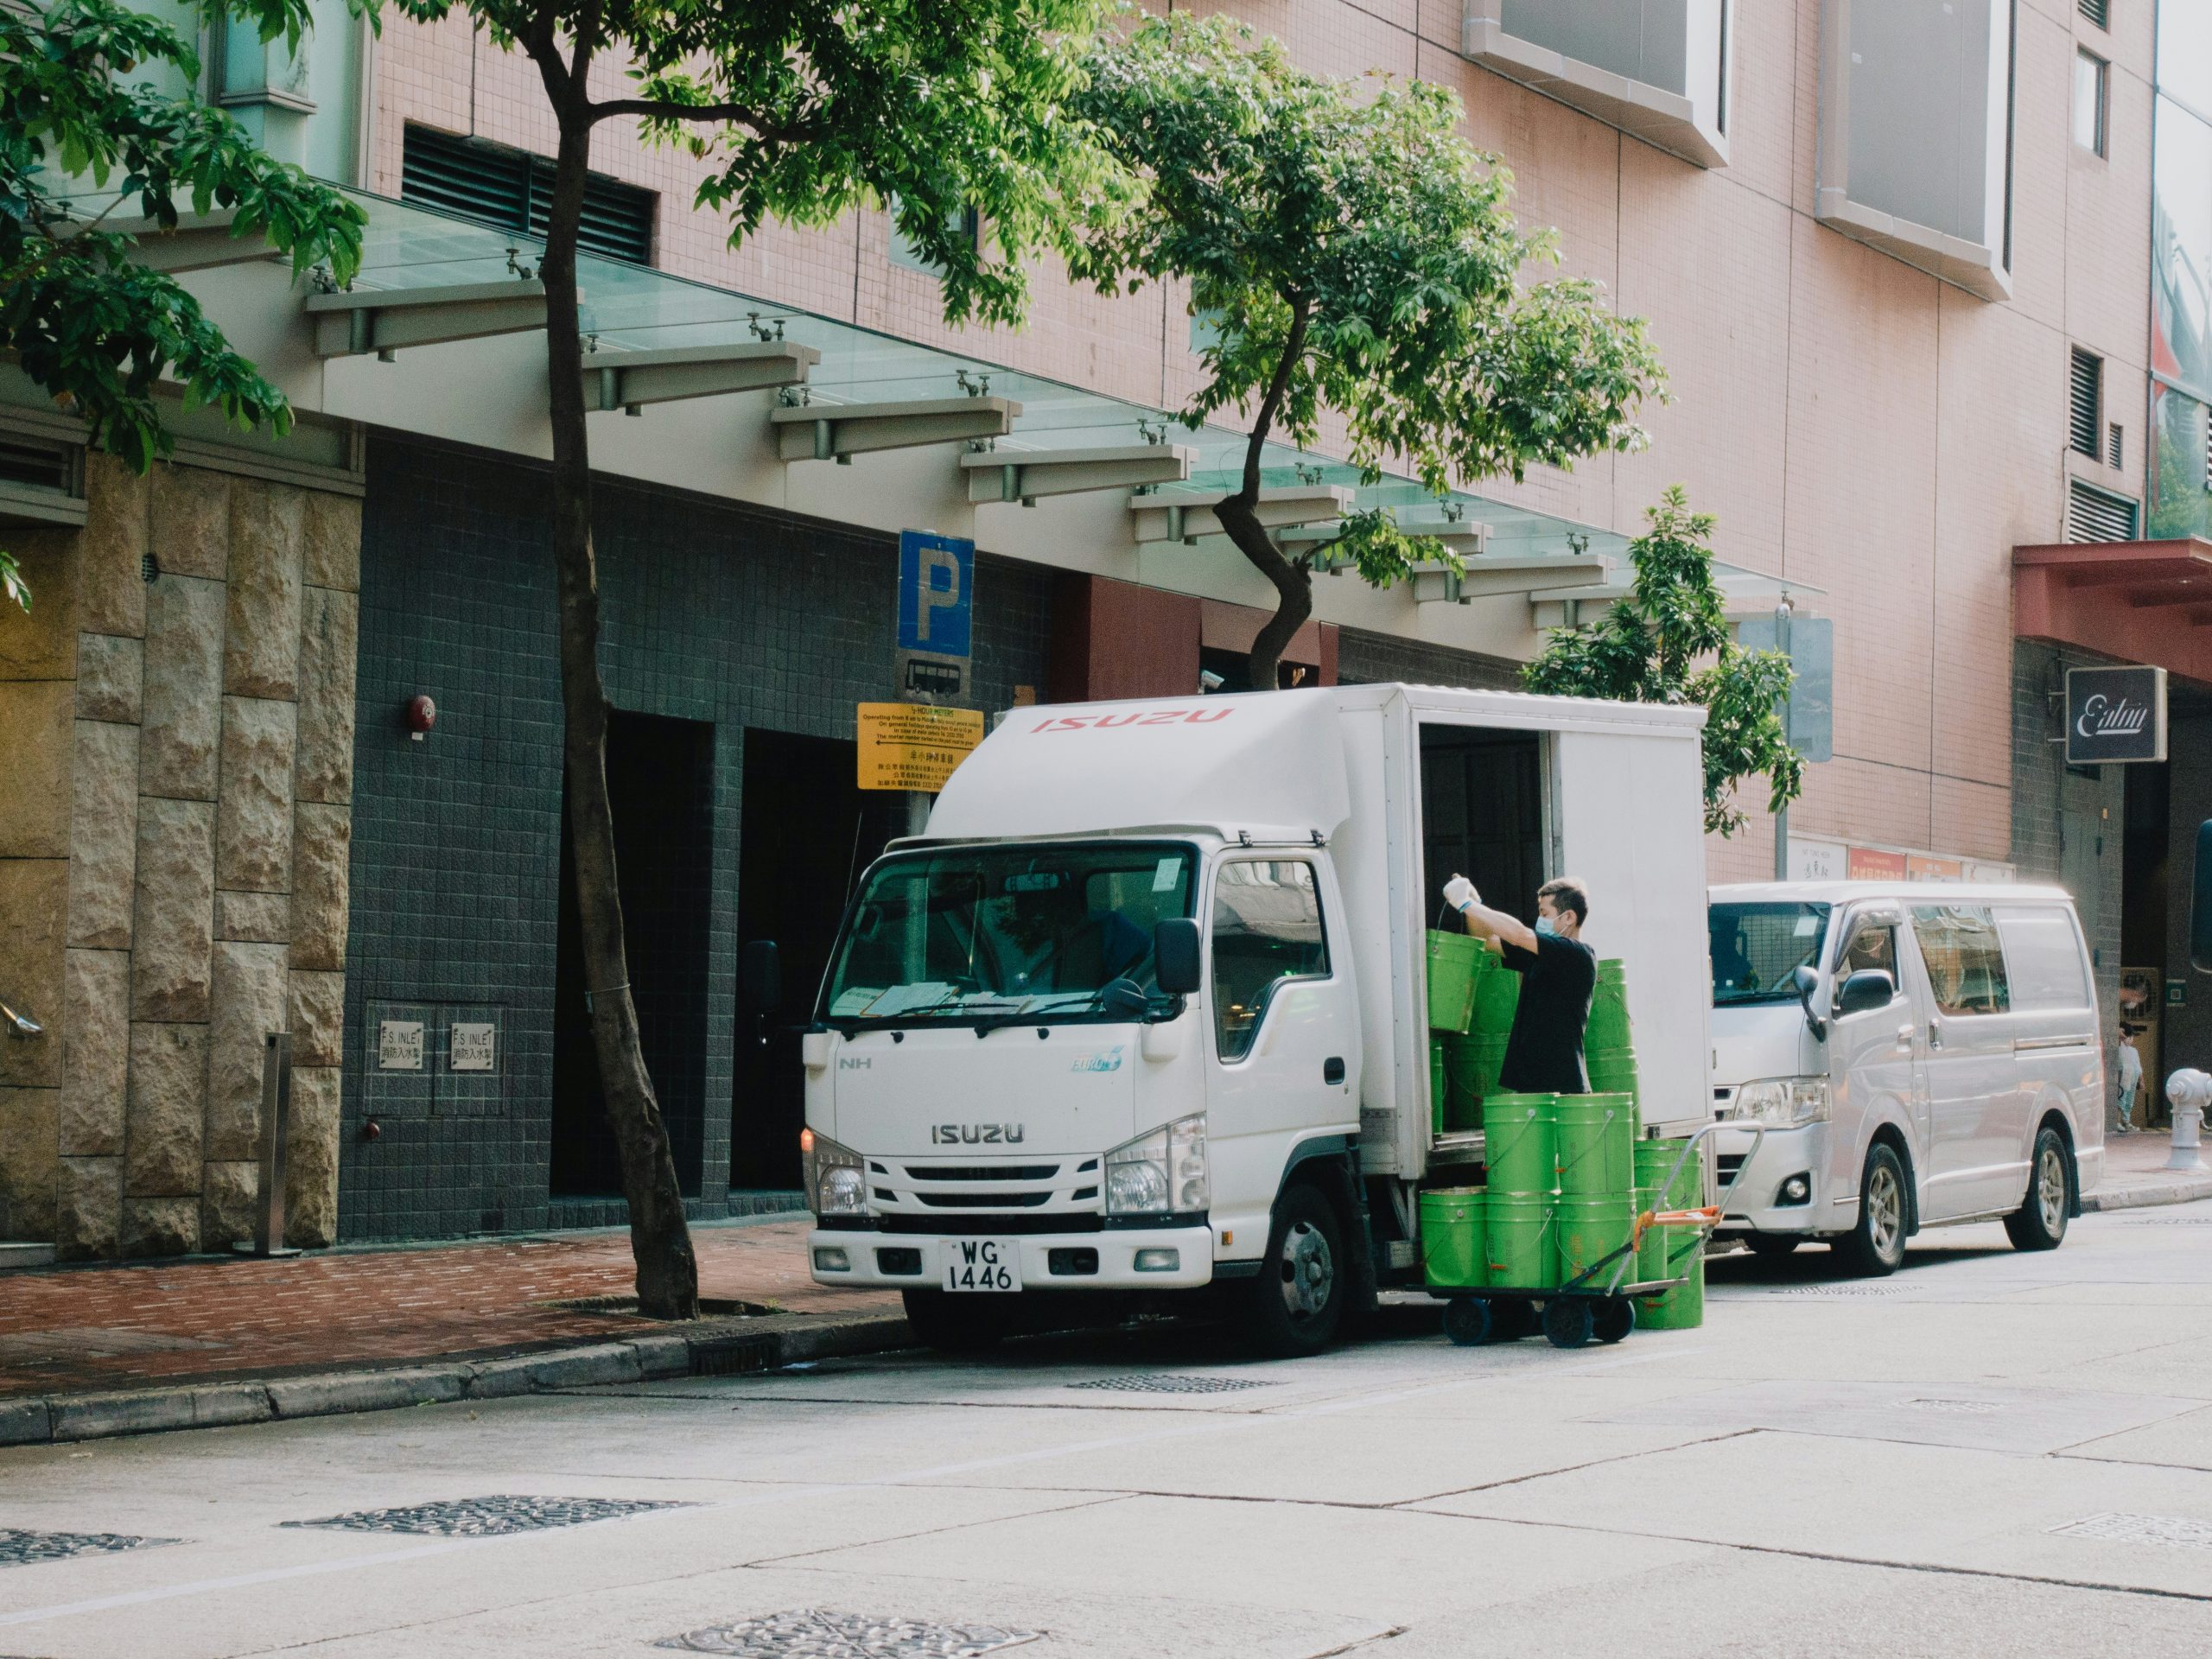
<point>1364,658</point>
<point>713,611</point>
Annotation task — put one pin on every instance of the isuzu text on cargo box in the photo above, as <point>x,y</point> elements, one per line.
<point>1145,1009</point>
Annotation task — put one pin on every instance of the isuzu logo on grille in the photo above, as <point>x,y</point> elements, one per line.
<point>975,1135</point>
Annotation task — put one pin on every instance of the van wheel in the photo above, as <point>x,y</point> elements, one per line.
<point>1771,1247</point>
<point>1295,1303</point>
<point>1875,1247</point>
<point>2040,1223</point>
<point>955,1324</point>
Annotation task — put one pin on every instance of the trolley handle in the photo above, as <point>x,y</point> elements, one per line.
<point>1703,1215</point>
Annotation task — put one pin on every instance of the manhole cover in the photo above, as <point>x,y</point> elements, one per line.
<point>20,1547</point>
<point>817,1633</point>
<point>1167,1383</point>
<point>2168,1531</point>
<point>1968,1407</point>
<point>487,1517</point>
<point>1841,1290</point>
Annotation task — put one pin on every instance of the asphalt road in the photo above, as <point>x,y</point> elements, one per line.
<point>1990,1453</point>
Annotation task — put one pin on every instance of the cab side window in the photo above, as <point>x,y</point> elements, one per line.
<point>1874,944</point>
<point>1965,962</point>
<point>1266,928</point>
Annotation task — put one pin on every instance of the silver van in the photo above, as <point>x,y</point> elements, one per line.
<point>1919,1054</point>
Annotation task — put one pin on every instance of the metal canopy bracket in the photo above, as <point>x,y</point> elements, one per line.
<point>1161,519</point>
<point>381,320</point>
<point>1431,583</point>
<point>625,380</point>
<point>833,431</point>
<point>1023,475</point>
<point>198,242</point>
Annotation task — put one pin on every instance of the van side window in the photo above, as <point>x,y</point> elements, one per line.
<point>1266,928</point>
<point>1874,945</point>
<point>2043,957</point>
<point>1966,965</point>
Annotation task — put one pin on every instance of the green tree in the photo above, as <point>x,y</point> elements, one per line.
<point>84,136</point>
<point>804,109</point>
<point>1668,641</point>
<point>1362,265</point>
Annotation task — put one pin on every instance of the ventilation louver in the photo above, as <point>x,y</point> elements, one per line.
<point>513,190</point>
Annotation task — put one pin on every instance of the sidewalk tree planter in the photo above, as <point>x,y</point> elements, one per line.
<point>95,327</point>
<point>953,113</point>
<point>1362,271</point>
<point>1670,641</point>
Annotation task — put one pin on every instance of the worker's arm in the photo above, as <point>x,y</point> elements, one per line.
<point>1484,922</point>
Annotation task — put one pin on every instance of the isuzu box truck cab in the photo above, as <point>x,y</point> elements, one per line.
<point>1918,1055</point>
<point>1145,1010</point>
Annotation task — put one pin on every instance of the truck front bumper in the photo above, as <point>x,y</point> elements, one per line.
<point>1760,1204</point>
<point>1176,1258</point>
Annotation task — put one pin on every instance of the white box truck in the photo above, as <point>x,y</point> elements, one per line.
<point>1146,1007</point>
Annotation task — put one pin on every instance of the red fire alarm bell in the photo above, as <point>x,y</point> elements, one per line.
<point>422,714</point>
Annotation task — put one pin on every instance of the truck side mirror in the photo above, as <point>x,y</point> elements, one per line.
<point>2200,903</point>
<point>1806,982</point>
<point>1175,955</point>
<point>760,977</point>
<point>1870,987</point>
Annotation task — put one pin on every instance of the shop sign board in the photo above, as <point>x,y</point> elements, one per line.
<point>2115,714</point>
<point>1878,864</point>
<point>906,746</point>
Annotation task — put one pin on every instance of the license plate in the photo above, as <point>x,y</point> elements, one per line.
<point>983,1264</point>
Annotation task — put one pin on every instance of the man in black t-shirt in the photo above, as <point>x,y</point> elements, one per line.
<point>1559,974</point>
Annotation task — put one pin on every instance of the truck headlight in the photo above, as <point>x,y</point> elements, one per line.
<point>1160,1172</point>
<point>1784,1103</point>
<point>835,1182</point>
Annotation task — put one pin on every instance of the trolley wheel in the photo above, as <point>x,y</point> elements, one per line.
<point>1613,1320</point>
<point>1567,1321</point>
<point>1467,1321</point>
<point>1510,1319</point>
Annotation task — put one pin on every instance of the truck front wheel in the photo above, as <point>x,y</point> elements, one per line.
<point>955,1324</point>
<point>1295,1303</point>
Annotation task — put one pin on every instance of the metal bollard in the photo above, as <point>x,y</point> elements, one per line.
<point>275,1107</point>
<point>2188,1091</point>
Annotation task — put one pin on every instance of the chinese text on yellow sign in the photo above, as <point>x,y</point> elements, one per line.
<point>909,746</point>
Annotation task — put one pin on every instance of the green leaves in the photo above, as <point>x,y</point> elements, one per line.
<point>12,585</point>
<point>1646,651</point>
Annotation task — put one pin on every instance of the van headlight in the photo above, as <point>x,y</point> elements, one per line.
<point>1160,1172</point>
<point>836,1184</point>
<point>1784,1103</point>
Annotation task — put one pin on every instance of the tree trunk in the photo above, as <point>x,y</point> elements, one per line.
<point>668,1272</point>
<point>1294,583</point>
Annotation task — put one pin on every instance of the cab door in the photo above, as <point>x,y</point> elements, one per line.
<point>1877,1062</point>
<point>1974,1163</point>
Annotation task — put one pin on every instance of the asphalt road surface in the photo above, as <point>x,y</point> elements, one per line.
<point>1990,1453</point>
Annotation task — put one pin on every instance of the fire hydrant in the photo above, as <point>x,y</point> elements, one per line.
<point>2188,1091</point>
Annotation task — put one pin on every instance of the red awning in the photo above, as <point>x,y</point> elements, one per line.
<point>2140,602</point>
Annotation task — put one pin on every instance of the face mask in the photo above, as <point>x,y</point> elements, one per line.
<point>1547,926</point>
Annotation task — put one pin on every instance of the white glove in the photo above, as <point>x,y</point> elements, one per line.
<point>1460,893</point>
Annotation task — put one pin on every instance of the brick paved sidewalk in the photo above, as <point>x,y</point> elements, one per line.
<point>68,1330</point>
<point>2136,1174</point>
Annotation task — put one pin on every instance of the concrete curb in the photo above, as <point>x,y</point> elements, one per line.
<point>711,1348</point>
<point>2145,1194</point>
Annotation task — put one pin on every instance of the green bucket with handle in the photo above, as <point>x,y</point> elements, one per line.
<point>1612,1070</point>
<point>1596,1141</point>
<point>1591,1228</point>
<point>1608,1026</point>
<point>1437,1085</point>
<point>1518,1143</point>
<point>1453,966</point>
<point>1679,1250</point>
<point>1497,994</point>
<point>1520,1238</point>
<point>1452,1247</point>
<point>1653,1160</point>
<point>1471,1068</point>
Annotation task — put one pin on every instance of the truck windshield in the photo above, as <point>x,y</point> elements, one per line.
<point>1758,948</point>
<point>1008,935</point>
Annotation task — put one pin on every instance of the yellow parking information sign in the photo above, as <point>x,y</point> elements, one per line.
<point>911,746</point>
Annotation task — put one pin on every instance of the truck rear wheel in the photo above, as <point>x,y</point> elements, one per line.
<point>2040,1223</point>
<point>1297,1301</point>
<point>956,1324</point>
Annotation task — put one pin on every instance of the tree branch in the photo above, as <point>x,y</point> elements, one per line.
<point>1294,348</point>
<point>656,109</point>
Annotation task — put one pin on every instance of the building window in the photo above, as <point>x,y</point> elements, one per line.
<point>2085,410</point>
<point>2092,81</point>
<point>2098,12</point>
<point>2115,447</point>
<point>512,190</point>
<point>1916,135</point>
<point>2096,515</point>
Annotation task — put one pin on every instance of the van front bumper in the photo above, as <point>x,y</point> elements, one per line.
<point>1757,1205</point>
<point>1116,1249</point>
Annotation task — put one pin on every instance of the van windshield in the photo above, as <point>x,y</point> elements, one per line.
<point>1756,949</point>
<point>1008,935</point>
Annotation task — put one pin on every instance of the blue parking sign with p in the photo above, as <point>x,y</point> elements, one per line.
<point>935,593</point>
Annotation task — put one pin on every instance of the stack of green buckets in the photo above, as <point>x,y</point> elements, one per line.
<point>1567,1173</point>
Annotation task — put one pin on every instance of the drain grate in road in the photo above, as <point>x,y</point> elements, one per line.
<point>1840,1290</point>
<point>20,1547</point>
<point>818,1633</point>
<point>2169,1221</point>
<point>487,1517</point>
<point>2168,1531</point>
<point>1166,1382</point>
<point>1968,1407</point>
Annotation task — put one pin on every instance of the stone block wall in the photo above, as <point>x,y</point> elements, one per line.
<point>174,857</point>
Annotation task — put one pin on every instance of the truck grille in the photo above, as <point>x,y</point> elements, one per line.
<point>982,1172</point>
<point>1056,1195</point>
<point>975,1224</point>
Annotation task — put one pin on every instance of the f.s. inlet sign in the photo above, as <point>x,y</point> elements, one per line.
<point>2115,713</point>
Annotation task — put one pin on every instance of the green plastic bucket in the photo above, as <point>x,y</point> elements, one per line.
<point>1436,1084</point>
<point>1451,1236</point>
<point>1452,970</point>
<point>1667,1252</point>
<point>1471,1068</point>
<point>1497,994</point>
<point>1612,1070</point>
<point>1591,1228</point>
<point>1596,1142</point>
<point>1651,1248</point>
<point>1681,1308</point>
<point>1518,1143</point>
<point>1521,1239</point>
<point>1608,1026</point>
